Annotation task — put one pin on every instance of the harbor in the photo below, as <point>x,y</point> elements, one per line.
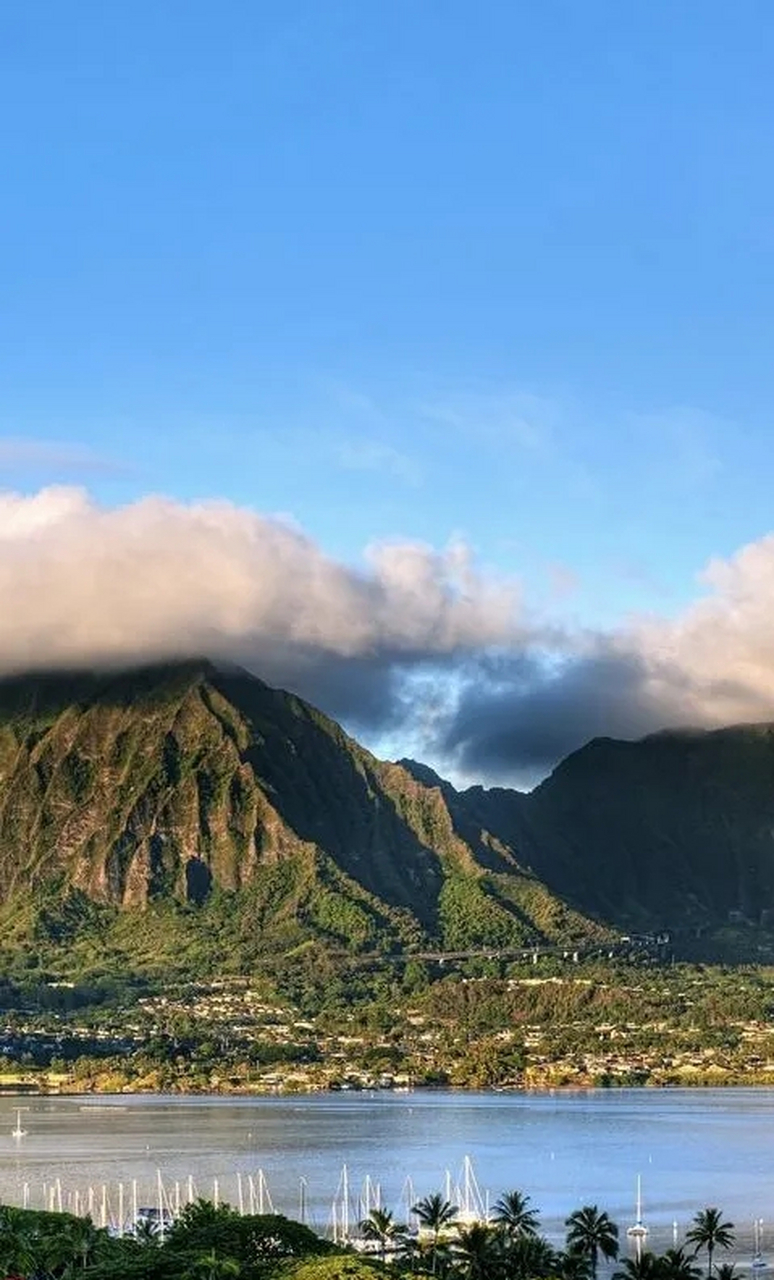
<point>122,1208</point>
<point>650,1158</point>
<point>150,1209</point>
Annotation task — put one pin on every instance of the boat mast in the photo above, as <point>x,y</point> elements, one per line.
<point>345,1203</point>
<point>160,1192</point>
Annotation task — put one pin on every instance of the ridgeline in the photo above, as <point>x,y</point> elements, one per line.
<point>278,908</point>
<point>188,818</point>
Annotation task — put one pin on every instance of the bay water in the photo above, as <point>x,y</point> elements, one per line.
<point>692,1149</point>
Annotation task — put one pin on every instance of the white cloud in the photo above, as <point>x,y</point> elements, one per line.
<point>720,652</point>
<point>79,582</point>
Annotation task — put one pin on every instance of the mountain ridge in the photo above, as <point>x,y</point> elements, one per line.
<point>177,783</point>
<point>241,812</point>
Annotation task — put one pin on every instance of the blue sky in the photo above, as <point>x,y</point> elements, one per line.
<point>409,271</point>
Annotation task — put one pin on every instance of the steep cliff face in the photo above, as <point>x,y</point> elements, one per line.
<point>168,786</point>
<point>676,829</point>
<point>130,787</point>
<point>174,783</point>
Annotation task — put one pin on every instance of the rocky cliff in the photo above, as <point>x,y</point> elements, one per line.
<point>176,784</point>
<point>225,806</point>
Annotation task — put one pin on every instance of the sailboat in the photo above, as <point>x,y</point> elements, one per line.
<point>472,1204</point>
<point>18,1132</point>
<point>638,1230</point>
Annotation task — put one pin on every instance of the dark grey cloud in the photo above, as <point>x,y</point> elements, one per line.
<point>517,717</point>
<point>363,693</point>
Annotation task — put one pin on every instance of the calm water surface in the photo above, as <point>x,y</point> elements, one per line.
<point>693,1148</point>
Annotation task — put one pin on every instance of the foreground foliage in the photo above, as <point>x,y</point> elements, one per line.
<point>209,1242</point>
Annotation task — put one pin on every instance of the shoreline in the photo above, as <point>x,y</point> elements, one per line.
<point>77,1089</point>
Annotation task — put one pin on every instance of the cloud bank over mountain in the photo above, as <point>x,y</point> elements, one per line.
<point>157,578</point>
<point>419,644</point>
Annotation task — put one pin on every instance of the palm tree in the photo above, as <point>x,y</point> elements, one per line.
<point>572,1265</point>
<point>17,1253</point>
<point>592,1232</point>
<point>124,1259</point>
<point>710,1232</point>
<point>676,1264</point>
<point>435,1213</point>
<point>84,1240</point>
<point>146,1231</point>
<point>511,1212</point>
<point>478,1251</point>
<point>431,1259</point>
<point>210,1266</point>
<point>68,1249</point>
<point>380,1226</point>
<point>532,1258</point>
<point>725,1271</point>
<point>646,1266</point>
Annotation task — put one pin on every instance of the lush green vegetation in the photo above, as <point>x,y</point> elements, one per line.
<point>212,1243</point>
<point>208,885</point>
<point>317,1020</point>
<point>178,821</point>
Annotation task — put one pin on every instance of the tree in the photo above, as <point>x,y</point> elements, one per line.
<point>17,1255</point>
<point>126,1259</point>
<point>511,1212</point>
<point>592,1232</point>
<point>572,1265</point>
<point>381,1227</point>
<point>435,1213</point>
<point>209,1266</point>
<point>73,1246</point>
<point>646,1266</point>
<point>47,1245</point>
<point>725,1271</point>
<point>710,1232</point>
<point>676,1264</point>
<point>203,1225</point>
<point>340,1267</point>
<point>532,1258</point>
<point>420,1255</point>
<point>252,1239</point>
<point>146,1231</point>
<point>478,1251</point>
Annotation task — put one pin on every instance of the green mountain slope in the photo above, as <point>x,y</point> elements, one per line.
<point>674,831</point>
<point>191,816</point>
<point>191,811</point>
